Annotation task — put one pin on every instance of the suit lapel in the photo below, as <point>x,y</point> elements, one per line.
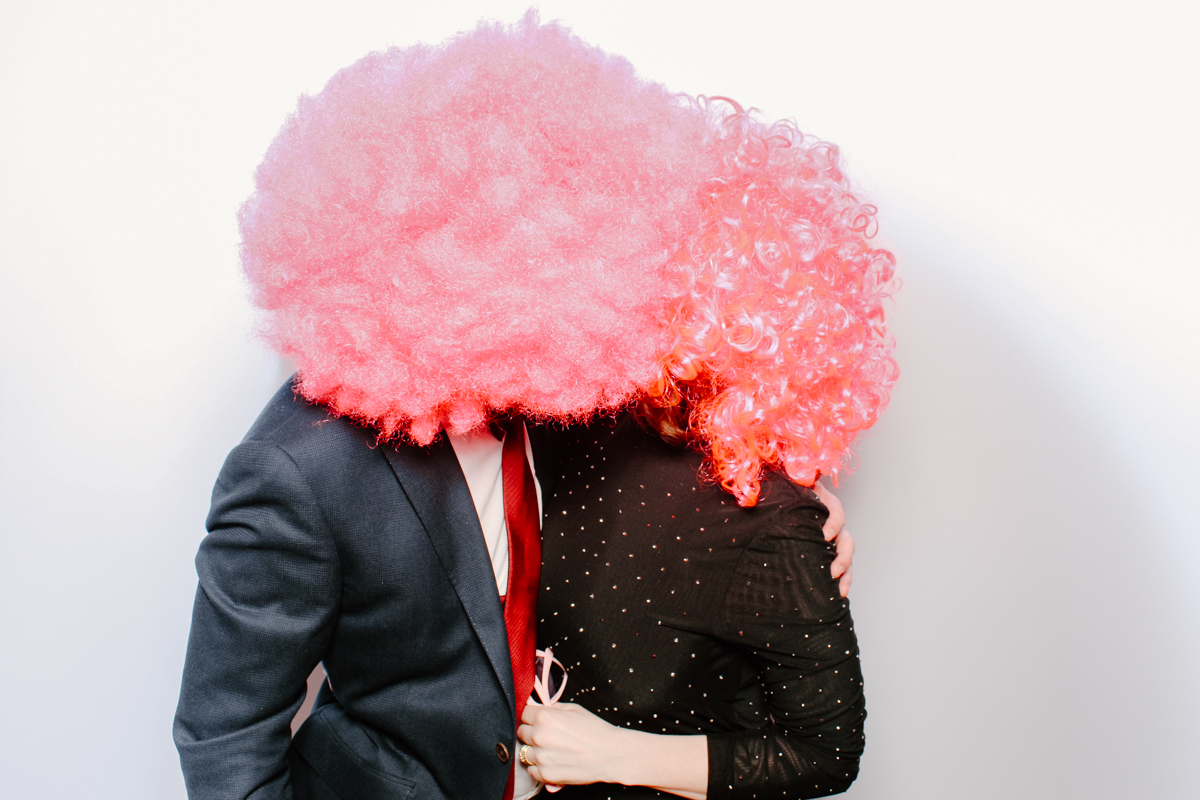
<point>437,490</point>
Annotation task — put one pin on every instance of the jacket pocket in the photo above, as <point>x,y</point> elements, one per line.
<point>331,755</point>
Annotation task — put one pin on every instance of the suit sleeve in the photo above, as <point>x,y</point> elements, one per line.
<point>784,609</point>
<point>266,602</point>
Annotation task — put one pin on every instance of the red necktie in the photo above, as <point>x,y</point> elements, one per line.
<point>523,521</point>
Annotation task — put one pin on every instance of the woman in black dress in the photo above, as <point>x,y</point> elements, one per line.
<point>709,652</point>
<point>676,612</point>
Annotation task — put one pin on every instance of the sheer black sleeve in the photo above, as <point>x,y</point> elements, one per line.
<point>783,608</point>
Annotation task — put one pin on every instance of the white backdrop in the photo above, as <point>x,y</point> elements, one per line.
<point>1027,581</point>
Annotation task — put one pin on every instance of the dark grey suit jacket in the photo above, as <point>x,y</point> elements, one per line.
<point>325,547</point>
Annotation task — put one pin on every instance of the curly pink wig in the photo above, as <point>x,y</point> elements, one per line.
<point>477,226</point>
<point>779,353</point>
<point>513,220</point>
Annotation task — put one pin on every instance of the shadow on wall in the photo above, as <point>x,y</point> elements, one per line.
<point>1021,636</point>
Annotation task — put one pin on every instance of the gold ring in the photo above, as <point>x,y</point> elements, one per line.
<point>522,757</point>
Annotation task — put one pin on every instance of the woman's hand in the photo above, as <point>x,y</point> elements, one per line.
<point>570,745</point>
<point>567,744</point>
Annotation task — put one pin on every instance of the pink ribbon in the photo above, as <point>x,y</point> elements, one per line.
<point>541,687</point>
<point>541,681</point>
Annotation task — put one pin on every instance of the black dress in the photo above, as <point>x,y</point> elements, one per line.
<point>675,611</point>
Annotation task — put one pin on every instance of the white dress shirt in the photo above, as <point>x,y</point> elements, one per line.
<point>479,454</point>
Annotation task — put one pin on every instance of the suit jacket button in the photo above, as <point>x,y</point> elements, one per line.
<point>502,753</point>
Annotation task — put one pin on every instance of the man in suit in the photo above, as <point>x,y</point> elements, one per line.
<point>324,546</point>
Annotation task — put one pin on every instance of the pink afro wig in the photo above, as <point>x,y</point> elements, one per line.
<point>779,354</point>
<point>513,220</point>
<point>482,225</point>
